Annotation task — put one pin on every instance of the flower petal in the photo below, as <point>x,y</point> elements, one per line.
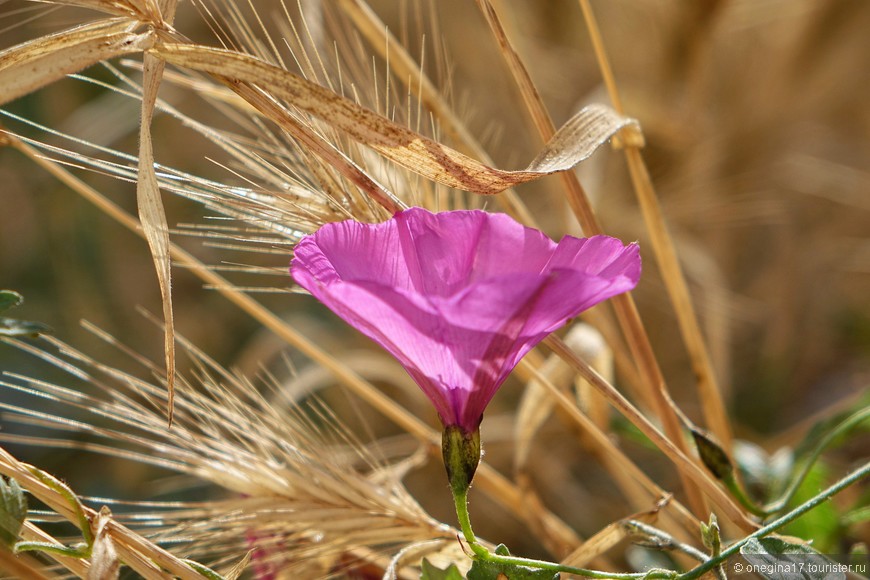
<point>459,297</point>
<point>453,249</point>
<point>351,250</point>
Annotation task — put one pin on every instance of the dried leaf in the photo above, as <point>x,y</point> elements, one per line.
<point>322,147</point>
<point>585,340</point>
<point>536,407</point>
<point>573,143</point>
<point>104,558</point>
<point>153,216</point>
<point>131,9</point>
<point>240,567</point>
<point>606,538</point>
<point>537,404</point>
<point>31,65</point>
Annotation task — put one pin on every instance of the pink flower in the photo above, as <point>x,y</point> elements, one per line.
<point>459,297</point>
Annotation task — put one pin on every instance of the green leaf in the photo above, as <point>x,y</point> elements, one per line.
<point>13,511</point>
<point>432,572</point>
<point>822,524</point>
<point>777,559</point>
<point>203,570</point>
<point>489,570</point>
<point>857,516</point>
<point>13,327</point>
<point>710,535</point>
<point>502,550</point>
<point>9,299</point>
<point>823,427</point>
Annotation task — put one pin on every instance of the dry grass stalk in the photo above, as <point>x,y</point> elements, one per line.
<point>304,489</point>
<point>688,466</point>
<point>152,215</point>
<point>130,545</point>
<point>633,483</point>
<point>666,254</point>
<point>627,313</point>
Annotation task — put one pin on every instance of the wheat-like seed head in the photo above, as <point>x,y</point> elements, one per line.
<point>296,487</point>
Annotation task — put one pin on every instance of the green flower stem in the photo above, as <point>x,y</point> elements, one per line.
<point>461,501</point>
<point>480,552</point>
<point>824,496</point>
<point>655,574</point>
<point>737,492</point>
<point>461,451</point>
<point>844,426</point>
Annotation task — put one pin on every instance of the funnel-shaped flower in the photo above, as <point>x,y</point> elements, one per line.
<point>459,297</point>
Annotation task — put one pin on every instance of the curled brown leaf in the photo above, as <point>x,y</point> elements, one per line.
<point>579,138</point>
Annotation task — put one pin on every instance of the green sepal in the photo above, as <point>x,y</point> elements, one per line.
<point>461,451</point>
<point>713,456</point>
<point>431,572</point>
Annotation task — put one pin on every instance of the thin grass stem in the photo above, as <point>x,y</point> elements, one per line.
<point>657,395</point>
<point>663,247</point>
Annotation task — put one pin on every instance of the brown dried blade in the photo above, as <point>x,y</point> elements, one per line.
<point>29,66</point>
<point>153,216</point>
<point>579,138</point>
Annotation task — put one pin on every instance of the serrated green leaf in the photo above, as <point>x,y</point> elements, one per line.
<point>9,299</point>
<point>14,327</point>
<point>13,511</point>
<point>489,570</point>
<point>777,559</point>
<point>432,572</point>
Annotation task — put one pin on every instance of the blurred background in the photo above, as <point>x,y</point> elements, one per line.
<point>756,120</point>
